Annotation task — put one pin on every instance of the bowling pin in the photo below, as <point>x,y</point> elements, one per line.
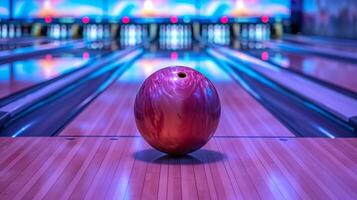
<point>245,31</point>
<point>145,32</point>
<point>100,32</point>
<point>228,34</point>
<point>4,31</point>
<point>203,34</point>
<point>224,34</point>
<point>138,34</point>
<point>52,31</point>
<point>11,31</point>
<point>107,32</point>
<point>258,32</point>
<point>161,34</point>
<point>210,33</point>
<point>167,39</point>
<point>180,36</point>
<point>121,35</point>
<point>57,31</point>
<point>71,30</point>
<point>131,35</point>
<point>125,35</point>
<point>268,33</point>
<point>141,33</point>
<point>93,32</point>
<point>251,32</point>
<point>85,33</point>
<point>89,32</point>
<point>217,34</point>
<point>48,33</point>
<point>63,31</point>
<point>184,38</point>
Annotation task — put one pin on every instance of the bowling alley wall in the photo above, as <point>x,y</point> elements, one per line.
<point>330,18</point>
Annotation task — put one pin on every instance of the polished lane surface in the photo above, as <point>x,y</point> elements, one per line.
<point>112,113</point>
<point>15,43</point>
<point>328,43</point>
<point>21,74</point>
<point>225,168</point>
<point>337,72</point>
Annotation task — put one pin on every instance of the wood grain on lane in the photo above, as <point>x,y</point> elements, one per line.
<point>226,168</point>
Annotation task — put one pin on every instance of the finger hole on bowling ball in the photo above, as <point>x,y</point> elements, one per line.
<point>201,156</point>
<point>181,74</point>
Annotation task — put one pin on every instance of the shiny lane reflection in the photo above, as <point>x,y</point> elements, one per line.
<point>22,74</point>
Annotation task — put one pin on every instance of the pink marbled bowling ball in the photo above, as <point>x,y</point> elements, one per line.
<point>177,110</point>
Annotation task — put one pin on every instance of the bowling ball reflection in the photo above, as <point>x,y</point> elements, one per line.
<point>177,110</point>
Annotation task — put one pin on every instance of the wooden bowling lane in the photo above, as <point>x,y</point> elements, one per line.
<point>226,168</point>
<point>11,86</point>
<point>111,114</point>
<point>243,116</point>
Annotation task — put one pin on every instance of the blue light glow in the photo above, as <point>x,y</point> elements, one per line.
<point>147,65</point>
<point>151,8</point>
<point>324,131</point>
<point>55,8</point>
<point>19,132</point>
<point>4,9</point>
<point>245,8</point>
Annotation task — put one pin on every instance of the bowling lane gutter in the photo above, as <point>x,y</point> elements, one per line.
<point>305,49</point>
<point>21,53</point>
<point>63,99</point>
<point>312,78</point>
<point>303,117</point>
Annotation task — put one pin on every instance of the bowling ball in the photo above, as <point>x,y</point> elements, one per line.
<point>177,110</point>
